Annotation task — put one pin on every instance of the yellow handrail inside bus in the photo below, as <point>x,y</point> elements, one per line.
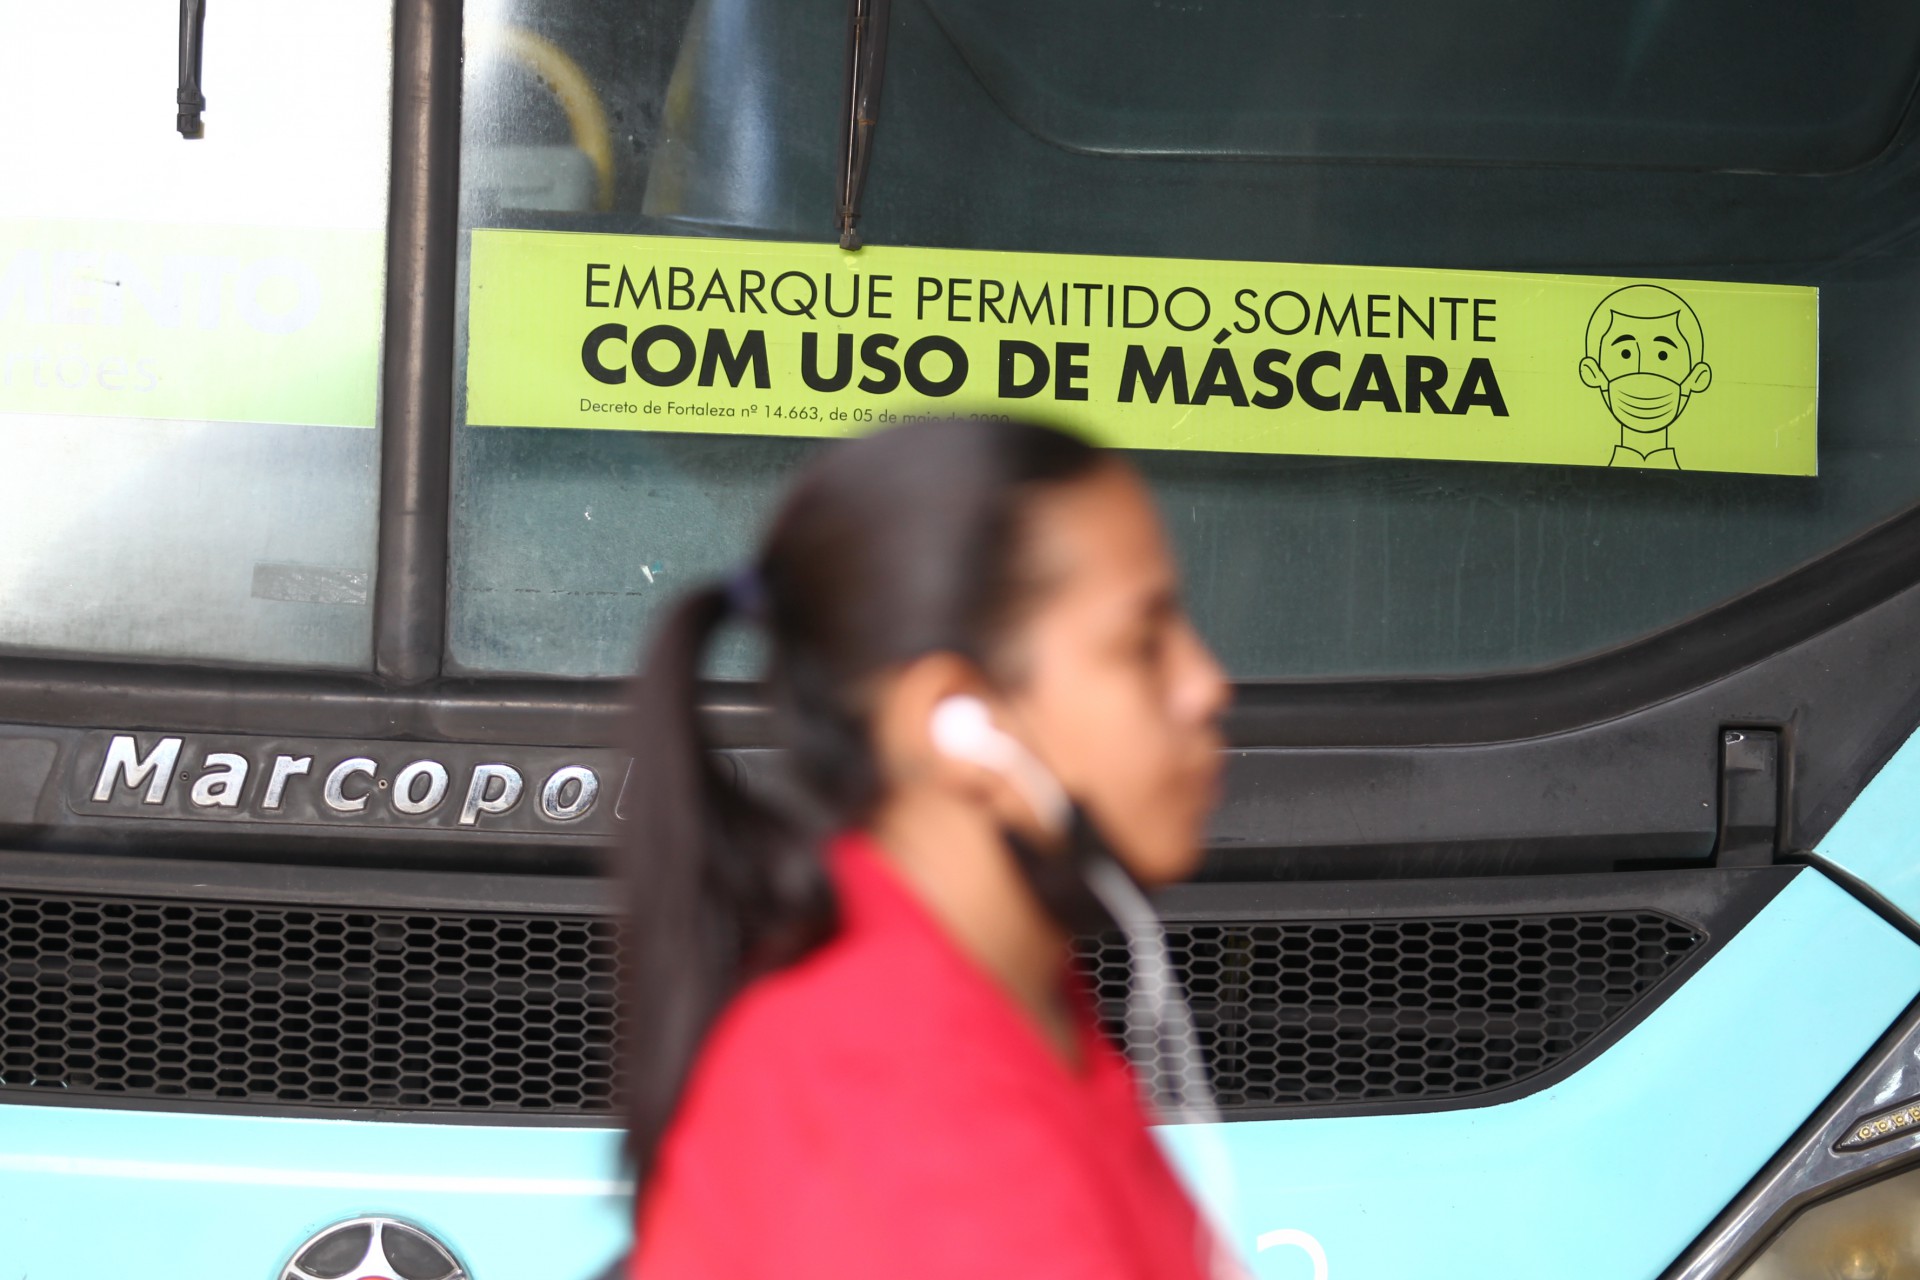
<point>575,93</point>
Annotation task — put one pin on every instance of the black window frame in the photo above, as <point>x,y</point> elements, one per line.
<point>1647,714</point>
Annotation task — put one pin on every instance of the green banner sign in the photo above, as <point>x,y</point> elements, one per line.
<point>202,323</point>
<point>758,338</point>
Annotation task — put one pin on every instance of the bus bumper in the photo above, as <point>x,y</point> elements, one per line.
<point>88,1193</point>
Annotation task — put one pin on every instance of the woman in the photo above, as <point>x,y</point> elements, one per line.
<point>863,1056</point>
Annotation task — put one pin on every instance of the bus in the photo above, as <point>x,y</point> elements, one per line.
<point>1524,389</point>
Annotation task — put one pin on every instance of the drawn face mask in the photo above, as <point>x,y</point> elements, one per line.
<point>1644,401</point>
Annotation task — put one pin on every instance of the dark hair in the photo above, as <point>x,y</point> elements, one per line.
<point>896,545</point>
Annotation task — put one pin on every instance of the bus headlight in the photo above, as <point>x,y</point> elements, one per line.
<point>1869,1233</point>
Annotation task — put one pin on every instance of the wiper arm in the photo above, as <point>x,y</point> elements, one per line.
<point>193,18</point>
<point>866,67</point>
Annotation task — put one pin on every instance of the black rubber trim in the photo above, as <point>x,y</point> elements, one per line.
<point>362,888</point>
<point>189,1106</point>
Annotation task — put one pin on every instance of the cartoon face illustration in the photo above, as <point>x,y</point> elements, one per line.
<point>1646,356</point>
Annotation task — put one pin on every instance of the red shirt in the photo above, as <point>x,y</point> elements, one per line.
<point>883,1109</point>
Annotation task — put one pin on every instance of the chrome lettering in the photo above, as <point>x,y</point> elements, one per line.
<point>155,770</point>
<point>220,789</point>
<point>284,767</point>
<point>335,793</point>
<point>626,788</point>
<point>478,800</point>
<point>553,801</point>
<point>436,775</point>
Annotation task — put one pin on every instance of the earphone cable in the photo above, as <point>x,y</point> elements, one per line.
<point>1156,1005</point>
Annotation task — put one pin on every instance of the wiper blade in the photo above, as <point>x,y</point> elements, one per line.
<point>866,67</point>
<point>193,19</point>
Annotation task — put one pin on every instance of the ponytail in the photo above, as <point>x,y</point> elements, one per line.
<point>721,886</point>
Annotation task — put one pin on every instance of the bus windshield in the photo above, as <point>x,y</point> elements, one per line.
<point>1683,143</point>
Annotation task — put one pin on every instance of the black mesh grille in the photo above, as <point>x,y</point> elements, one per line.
<point>467,1012</point>
<point>1292,1013</point>
<point>280,1005</point>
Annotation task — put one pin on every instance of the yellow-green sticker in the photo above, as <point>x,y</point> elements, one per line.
<point>759,338</point>
<point>198,323</point>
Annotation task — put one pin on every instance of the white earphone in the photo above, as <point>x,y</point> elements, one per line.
<point>963,728</point>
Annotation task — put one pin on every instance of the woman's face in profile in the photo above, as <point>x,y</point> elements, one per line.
<point>1117,691</point>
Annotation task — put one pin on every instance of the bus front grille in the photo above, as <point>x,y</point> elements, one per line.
<point>250,1005</point>
<point>274,1005</point>
<point>1313,1013</point>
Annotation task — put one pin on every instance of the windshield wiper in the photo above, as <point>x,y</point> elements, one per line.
<point>866,67</point>
<point>193,18</point>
